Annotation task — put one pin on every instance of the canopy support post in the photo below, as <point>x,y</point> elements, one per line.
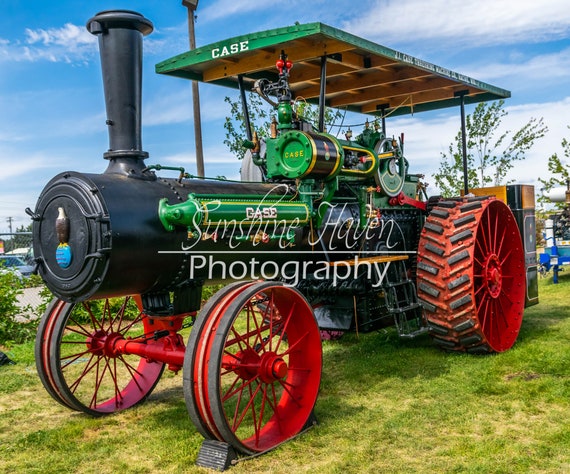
<point>461,95</point>
<point>322,94</point>
<point>383,109</point>
<point>244,108</point>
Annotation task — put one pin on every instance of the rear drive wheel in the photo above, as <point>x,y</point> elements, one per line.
<point>471,275</point>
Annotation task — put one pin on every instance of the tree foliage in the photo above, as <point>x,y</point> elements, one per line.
<point>13,331</point>
<point>560,172</point>
<point>490,153</point>
<point>236,132</point>
<point>260,114</point>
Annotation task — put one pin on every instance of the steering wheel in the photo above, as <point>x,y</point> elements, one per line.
<point>392,167</point>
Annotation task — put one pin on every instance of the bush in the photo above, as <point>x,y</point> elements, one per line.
<point>11,330</point>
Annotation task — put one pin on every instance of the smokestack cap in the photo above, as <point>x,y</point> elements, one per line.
<point>107,19</point>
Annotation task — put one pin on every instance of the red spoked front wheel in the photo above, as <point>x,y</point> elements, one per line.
<point>76,361</point>
<point>471,275</point>
<point>253,377</point>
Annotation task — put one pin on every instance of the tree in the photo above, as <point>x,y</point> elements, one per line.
<point>489,158</point>
<point>236,133</point>
<point>260,114</point>
<point>560,172</point>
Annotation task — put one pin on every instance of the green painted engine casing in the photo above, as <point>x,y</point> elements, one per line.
<point>295,154</point>
<point>200,212</point>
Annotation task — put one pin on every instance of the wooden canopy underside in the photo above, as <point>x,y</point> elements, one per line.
<point>361,76</point>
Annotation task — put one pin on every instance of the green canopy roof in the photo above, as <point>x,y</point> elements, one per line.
<point>361,75</point>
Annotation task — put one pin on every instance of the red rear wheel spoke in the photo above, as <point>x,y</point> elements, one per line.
<point>253,329</point>
<point>500,242</point>
<point>70,345</point>
<point>488,228</point>
<point>135,374</point>
<point>238,404</point>
<point>295,347</point>
<point>489,321</point>
<point>502,312</point>
<point>297,399</point>
<point>481,247</point>
<point>505,258</point>
<point>119,317</point>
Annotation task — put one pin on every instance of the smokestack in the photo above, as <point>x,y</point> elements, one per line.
<point>120,35</point>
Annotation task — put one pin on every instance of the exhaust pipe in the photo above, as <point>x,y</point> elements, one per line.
<point>120,35</point>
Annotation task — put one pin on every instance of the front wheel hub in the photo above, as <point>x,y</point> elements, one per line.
<point>102,344</point>
<point>272,368</point>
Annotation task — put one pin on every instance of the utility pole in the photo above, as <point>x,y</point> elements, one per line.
<point>9,220</point>
<point>192,5</point>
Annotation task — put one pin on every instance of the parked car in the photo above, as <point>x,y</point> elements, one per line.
<point>24,253</point>
<point>16,265</point>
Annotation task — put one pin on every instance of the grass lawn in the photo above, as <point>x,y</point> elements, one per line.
<point>385,405</point>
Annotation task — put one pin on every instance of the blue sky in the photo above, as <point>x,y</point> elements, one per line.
<point>52,115</point>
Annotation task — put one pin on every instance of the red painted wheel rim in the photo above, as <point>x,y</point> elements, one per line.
<point>500,283</point>
<point>43,350</point>
<point>197,399</point>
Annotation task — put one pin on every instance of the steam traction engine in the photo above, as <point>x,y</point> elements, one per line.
<point>335,235</point>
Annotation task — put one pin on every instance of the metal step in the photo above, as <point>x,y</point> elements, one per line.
<point>402,302</point>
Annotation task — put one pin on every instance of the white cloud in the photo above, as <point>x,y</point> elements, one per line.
<point>224,8</point>
<point>28,166</point>
<point>69,35</point>
<point>14,206</point>
<point>465,22</point>
<point>66,44</point>
<point>542,67</point>
<point>213,155</point>
<point>218,161</point>
<point>19,167</point>
<point>69,125</point>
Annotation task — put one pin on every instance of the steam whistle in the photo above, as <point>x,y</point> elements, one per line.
<point>283,65</point>
<point>280,89</point>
